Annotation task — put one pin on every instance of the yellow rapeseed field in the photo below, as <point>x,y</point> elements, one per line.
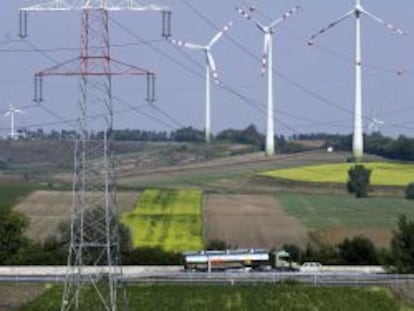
<point>383,173</point>
<point>170,219</point>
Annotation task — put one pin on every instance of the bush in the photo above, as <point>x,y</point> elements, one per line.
<point>409,191</point>
<point>217,245</point>
<point>402,246</point>
<point>359,181</point>
<point>358,251</point>
<point>151,256</point>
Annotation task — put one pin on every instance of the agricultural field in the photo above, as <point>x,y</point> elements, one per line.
<point>170,219</point>
<point>14,295</point>
<point>46,210</point>
<point>11,193</point>
<point>241,297</point>
<point>383,173</point>
<point>206,173</point>
<point>337,217</point>
<point>250,221</point>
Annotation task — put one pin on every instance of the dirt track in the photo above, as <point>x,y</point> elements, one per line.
<point>250,221</point>
<point>47,209</point>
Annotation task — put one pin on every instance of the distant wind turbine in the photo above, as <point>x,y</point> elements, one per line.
<point>267,66</point>
<point>10,113</point>
<point>375,124</point>
<point>357,11</point>
<point>210,67</point>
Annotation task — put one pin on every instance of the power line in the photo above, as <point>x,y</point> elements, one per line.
<point>72,49</point>
<point>131,107</point>
<point>276,72</point>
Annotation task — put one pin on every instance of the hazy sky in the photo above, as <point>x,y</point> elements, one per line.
<point>314,86</point>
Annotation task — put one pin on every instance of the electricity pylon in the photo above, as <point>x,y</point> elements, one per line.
<point>94,228</point>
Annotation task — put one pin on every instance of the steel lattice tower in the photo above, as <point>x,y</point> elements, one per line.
<point>94,228</point>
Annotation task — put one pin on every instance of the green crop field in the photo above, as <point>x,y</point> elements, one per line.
<point>386,174</point>
<point>170,219</point>
<point>238,298</point>
<point>10,193</point>
<point>326,211</point>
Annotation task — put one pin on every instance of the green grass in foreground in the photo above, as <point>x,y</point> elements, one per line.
<point>170,219</point>
<point>327,211</point>
<point>238,298</point>
<point>386,174</point>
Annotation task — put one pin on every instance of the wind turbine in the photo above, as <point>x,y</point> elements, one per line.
<point>210,68</point>
<point>10,113</point>
<point>357,11</point>
<point>267,66</point>
<point>375,124</point>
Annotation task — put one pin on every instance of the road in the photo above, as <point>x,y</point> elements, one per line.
<point>175,274</point>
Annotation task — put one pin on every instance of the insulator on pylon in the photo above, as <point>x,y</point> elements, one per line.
<point>150,87</point>
<point>38,89</point>
<point>166,24</point>
<point>22,24</point>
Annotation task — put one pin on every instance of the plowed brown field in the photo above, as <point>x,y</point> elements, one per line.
<point>47,209</point>
<point>250,221</point>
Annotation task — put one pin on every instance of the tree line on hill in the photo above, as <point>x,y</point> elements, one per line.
<point>249,136</point>
<point>400,148</point>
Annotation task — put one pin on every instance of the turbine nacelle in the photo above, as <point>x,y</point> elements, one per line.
<point>357,11</point>
<point>206,49</point>
<point>267,30</point>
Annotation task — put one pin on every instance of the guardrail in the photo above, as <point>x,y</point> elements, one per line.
<point>174,274</point>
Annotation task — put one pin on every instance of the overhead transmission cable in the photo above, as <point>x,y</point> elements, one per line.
<point>131,107</point>
<point>276,72</point>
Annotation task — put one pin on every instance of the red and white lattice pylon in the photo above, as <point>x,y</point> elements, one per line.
<point>94,230</point>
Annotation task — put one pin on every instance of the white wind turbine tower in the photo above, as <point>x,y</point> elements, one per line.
<point>10,113</point>
<point>210,67</point>
<point>357,11</point>
<point>267,66</point>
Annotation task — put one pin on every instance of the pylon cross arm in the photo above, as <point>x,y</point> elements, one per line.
<point>109,5</point>
<point>77,67</point>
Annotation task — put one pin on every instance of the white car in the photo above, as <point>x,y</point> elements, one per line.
<point>311,267</point>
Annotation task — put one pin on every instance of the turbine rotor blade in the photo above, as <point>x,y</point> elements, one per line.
<point>244,13</point>
<point>212,65</point>
<point>247,16</point>
<point>331,25</point>
<point>285,16</point>
<point>391,27</point>
<point>8,113</point>
<point>187,44</point>
<point>220,34</point>
<point>265,53</point>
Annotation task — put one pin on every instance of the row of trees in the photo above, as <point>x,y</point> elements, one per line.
<point>250,136</point>
<point>399,258</point>
<point>401,148</point>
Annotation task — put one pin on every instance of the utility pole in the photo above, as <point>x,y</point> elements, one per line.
<point>95,237</point>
